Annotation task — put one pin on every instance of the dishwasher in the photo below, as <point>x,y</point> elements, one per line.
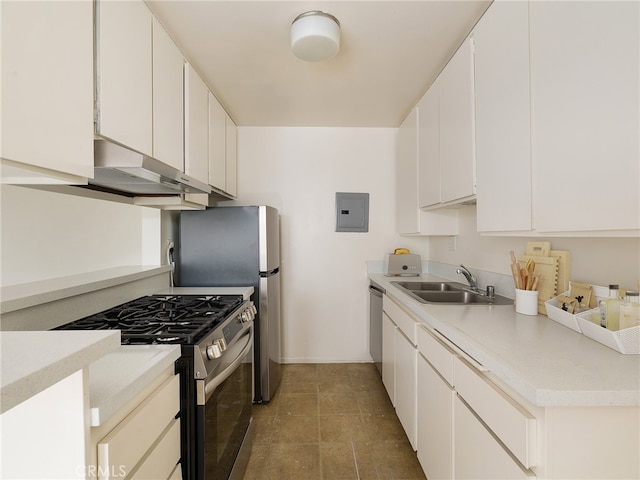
<point>375,323</point>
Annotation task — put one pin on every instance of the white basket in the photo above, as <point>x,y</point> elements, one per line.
<point>625,341</point>
<point>569,320</point>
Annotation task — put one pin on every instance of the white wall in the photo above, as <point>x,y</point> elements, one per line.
<point>324,273</point>
<point>47,235</point>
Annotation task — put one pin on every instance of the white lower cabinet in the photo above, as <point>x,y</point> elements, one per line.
<point>399,328</point>
<point>435,423</point>
<point>145,444</point>
<point>406,383</point>
<point>478,453</point>
<point>435,407</point>
<point>388,357</point>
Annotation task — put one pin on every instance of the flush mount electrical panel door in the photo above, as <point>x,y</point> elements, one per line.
<point>352,212</point>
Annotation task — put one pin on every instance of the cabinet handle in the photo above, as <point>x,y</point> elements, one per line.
<point>459,351</point>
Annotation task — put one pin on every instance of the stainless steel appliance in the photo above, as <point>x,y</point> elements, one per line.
<point>234,246</point>
<point>215,333</point>
<point>402,265</point>
<point>375,323</point>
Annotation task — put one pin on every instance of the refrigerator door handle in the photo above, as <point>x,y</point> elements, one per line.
<point>270,272</point>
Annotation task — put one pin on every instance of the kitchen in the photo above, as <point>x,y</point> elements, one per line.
<point>47,234</point>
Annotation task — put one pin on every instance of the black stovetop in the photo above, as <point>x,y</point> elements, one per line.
<point>162,319</point>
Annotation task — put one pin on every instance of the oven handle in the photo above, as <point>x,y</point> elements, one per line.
<point>226,373</point>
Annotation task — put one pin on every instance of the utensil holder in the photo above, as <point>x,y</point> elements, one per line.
<point>527,302</point>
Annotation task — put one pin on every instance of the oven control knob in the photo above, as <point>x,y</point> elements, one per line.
<point>244,317</point>
<point>213,351</point>
<point>222,344</point>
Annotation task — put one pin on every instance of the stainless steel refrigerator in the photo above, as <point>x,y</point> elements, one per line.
<point>239,246</point>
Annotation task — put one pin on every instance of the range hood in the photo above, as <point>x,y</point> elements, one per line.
<point>124,170</point>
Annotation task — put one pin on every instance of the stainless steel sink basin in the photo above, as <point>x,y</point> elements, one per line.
<point>450,293</point>
<point>431,286</point>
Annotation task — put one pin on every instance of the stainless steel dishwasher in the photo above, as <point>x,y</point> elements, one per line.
<point>375,323</point>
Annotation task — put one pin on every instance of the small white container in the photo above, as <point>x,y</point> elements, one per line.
<point>527,302</point>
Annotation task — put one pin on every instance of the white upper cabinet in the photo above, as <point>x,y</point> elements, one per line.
<point>503,139</point>
<point>217,144</point>
<point>585,63</point>
<point>231,157</point>
<point>410,220</point>
<point>47,92</point>
<point>407,212</point>
<point>124,74</point>
<point>196,125</point>
<point>457,157</point>
<point>429,152</point>
<point>168,99</point>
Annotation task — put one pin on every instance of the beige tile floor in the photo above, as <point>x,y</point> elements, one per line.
<point>330,422</point>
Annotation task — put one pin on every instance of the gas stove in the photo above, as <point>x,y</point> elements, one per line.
<point>162,319</point>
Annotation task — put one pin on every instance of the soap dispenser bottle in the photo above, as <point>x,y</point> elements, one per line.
<point>610,309</point>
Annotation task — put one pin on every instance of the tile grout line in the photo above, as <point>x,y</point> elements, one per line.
<point>355,460</point>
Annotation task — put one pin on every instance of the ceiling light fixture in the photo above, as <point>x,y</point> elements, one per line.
<point>315,36</point>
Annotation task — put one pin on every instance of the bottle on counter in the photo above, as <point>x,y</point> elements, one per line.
<point>630,310</point>
<point>610,309</point>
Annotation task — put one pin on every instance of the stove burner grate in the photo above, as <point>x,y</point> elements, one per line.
<point>178,319</point>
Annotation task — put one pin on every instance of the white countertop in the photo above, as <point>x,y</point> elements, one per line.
<point>33,361</point>
<point>120,376</point>
<point>246,292</point>
<point>17,297</point>
<point>545,362</point>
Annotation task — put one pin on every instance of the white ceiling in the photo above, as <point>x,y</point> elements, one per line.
<point>390,53</point>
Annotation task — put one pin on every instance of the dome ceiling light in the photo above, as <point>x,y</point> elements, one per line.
<point>315,36</point>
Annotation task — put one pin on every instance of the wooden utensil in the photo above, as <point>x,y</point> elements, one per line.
<point>515,271</point>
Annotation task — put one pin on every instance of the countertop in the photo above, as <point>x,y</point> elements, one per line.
<point>246,292</point>
<point>17,297</point>
<point>118,377</point>
<point>546,363</point>
<point>34,361</point>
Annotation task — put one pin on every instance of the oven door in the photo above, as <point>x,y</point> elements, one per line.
<point>223,414</point>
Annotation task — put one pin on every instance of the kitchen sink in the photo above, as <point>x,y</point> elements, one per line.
<point>450,293</point>
<point>431,286</point>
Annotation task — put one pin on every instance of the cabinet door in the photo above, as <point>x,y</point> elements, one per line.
<point>407,213</point>
<point>457,161</point>
<point>435,423</point>
<point>47,91</point>
<point>406,377</point>
<point>124,74</point>
<point>585,72</point>
<point>503,139</point>
<point>168,99</point>
<point>217,144</point>
<point>388,356</point>
<point>478,455</point>
<point>409,219</point>
<point>232,157</point>
<point>429,147</point>
<point>196,125</point>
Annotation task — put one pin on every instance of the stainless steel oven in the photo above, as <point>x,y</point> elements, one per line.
<point>215,333</point>
<point>223,411</point>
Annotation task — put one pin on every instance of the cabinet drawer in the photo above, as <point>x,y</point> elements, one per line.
<point>129,442</point>
<point>511,423</point>
<point>401,318</point>
<point>478,455</point>
<point>436,353</point>
<point>163,458</point>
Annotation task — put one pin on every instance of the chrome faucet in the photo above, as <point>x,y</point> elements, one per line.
<point>473,283</point>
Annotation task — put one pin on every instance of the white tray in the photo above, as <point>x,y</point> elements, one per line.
<point>569,320</point>
<point>624,341</point>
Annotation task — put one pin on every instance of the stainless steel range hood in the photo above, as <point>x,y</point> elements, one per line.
<point>119,168</point>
